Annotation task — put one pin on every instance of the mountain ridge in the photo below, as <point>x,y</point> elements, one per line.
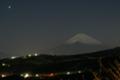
<point>83,38</point>
<point>80,43</point>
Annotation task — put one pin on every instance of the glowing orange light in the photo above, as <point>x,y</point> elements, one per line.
<point>51,75</point>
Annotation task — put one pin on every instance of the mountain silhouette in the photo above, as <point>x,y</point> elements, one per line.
<point>80,43</point>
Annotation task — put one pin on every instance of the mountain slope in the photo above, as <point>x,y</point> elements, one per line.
<point>80,43</point>
<point>83,38</point>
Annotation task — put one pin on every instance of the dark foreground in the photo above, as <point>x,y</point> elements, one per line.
<point>102,65</point>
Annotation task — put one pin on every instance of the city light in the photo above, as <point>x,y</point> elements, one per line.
<point>51,74</point>
<point>79,72</point>
<point>35,54</point>
<point>26,75</point>
<point>68,73</point>
<point>3,75</point>
<point>3,64</point>
<point>13,57</point>
<point>29,55</point>
<point>21,75</point>
<point>36,75</point>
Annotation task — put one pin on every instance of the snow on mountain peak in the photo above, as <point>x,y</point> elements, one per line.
<point>83,38</point>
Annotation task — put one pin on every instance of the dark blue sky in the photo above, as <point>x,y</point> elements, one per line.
<point>42,24</point>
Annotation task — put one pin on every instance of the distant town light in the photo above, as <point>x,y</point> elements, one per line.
<point>35,54</point>
<point>29,55</point>
<point>26,75</point>
<point>3,64</point>
<point>22,75</point>
<point>3,75</point>
<point>13,57</point>
<point>36,75</point>
<point>79,72</point>
<point>68,73</point>
<point>51,74</point>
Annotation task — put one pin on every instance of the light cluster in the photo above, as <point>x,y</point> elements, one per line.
<point>43,75</point>
<point>13,57</point>
<point>5,65</point>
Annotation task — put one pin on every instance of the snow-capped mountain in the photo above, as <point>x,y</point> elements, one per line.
<point>80,43</point>
<point>83,38</point>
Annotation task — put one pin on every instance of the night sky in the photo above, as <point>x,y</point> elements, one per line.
<point>36,25</point>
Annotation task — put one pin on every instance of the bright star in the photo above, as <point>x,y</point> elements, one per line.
<point>9,7</point>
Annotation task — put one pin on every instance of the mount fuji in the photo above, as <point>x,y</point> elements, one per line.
<point>84,39</point>
<point>79,44</point>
